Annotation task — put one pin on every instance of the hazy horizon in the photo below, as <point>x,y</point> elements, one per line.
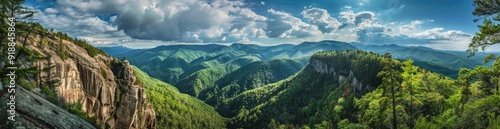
<point>267,22</point>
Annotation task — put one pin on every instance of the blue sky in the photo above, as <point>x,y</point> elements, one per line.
<point>439,24</point>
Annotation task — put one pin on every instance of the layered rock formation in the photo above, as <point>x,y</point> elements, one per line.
<point>34,112</point>
<point>105,89</point>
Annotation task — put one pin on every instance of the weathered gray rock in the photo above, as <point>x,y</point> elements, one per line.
<point>34,112</point>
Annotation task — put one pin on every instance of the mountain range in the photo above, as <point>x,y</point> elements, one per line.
<point>181,63</point>
<point>52,80</point>
<point>325,84</point>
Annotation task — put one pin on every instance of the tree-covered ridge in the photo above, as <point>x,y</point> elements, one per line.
<point>305,99</point>
<point>420,99</point>
<point>205,74</point>
<point>251,76</point>
<point>192,68</point>
<point>364,66</point>
<point>176,110</point>
<point>176,62</point>
<point>444,62</point>
<point>91,50</point>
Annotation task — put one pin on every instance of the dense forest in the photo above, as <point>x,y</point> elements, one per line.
<point>249,77</point>
<point>194,68</point>
<point>408,97</point>
<point>320,85</point>
<point>177,110</point>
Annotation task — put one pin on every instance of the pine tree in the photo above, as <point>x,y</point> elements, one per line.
<point>390,78</point>
<point>409,72</point>
<point>489,31</point>
<point>22,15</point>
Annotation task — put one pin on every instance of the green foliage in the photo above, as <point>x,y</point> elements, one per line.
<point>420,99</point>
<point>177,110</point>
<point>205,74</point>
<point>50,95</point>
<point>23,29</point>
<point>345,124</point>
<point>118,94</point>
<point>312,98</point>
<point>419,94</point>
<point>482,113</point>
<point>488,34</point>
<point>194,68</point>
<point>253,75</point>
<point>76,109</point>
<point>103,73</point>
<point>28,85</point>
<point>364,65</point>
<point>61,52</point>
<point>390,78</point>
<point>91,50</point>
<point>407,97</point>
<point>443,62</point>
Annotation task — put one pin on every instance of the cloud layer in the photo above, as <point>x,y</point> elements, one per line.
<point>220,21</point>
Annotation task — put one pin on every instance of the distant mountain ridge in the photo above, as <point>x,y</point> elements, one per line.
<point>311,84</point>
<point>453,60</point>
<point>193,68</point>
<point>444,62</point>
<point>311,93</point>
<point>251,76</point>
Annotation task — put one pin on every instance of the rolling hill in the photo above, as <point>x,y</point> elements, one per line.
<point>179,60</point>
<point>193,68</point>
<point>251,76</point>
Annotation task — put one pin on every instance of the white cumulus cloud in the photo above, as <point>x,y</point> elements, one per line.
<point>322,19</point>
<point>283,25</point>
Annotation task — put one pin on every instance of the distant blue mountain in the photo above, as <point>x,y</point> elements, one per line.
<point>120,51</point>
<point>193,68</point>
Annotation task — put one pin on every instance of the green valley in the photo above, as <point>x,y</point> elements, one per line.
<point>238,64</point>
<point>177,110</point>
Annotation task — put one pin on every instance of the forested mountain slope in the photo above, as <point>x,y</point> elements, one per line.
<point>331,93</point>
<point>176,110</point>
<point>307,97</point>
<point>181,66</point>
<point>251,76</point>
<point>192,68</point>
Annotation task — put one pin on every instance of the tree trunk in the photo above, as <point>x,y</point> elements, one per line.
<point>394,118</point>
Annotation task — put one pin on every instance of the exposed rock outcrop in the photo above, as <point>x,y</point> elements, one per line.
<point>34,112</point>
<point>341,75</point>
<point>106,92</point>
<point>132,108</point>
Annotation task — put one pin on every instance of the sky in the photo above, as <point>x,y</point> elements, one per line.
<point>439,24</point>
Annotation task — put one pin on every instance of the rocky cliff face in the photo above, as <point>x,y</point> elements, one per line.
<point>34,112</point>
<point>341,75</point>
<point>132,108</point>
<point>105,89</point>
